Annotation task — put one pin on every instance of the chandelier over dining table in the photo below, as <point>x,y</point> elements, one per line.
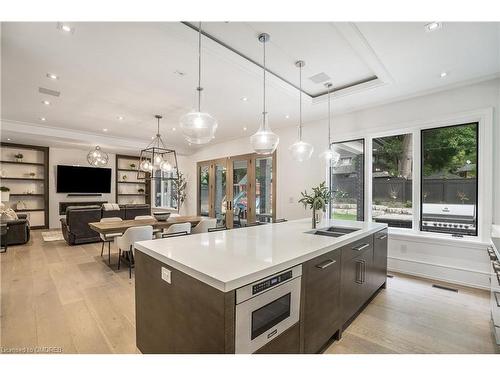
<point>156,160</point>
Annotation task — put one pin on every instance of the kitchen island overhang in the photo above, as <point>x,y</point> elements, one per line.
<point>198,307</point>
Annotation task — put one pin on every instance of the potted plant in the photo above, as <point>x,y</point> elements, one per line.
<point>140,191</point>
<point>132,166</point>
<point>4,193</point>
<point>19,157</point>
<point>124,177</point>
<point>180,188</point>
<point>317,200</point>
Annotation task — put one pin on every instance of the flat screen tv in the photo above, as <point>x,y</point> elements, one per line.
<point>72,179</point>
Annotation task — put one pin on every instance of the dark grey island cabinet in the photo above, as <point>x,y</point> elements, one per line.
<point>186,315</point>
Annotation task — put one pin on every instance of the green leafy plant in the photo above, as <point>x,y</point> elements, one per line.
<point>19,156</point>
<point>4,188</point>
<point>132,166</point>
<point>317,200</point>
<point>180,187</point>
<point>140,190</point>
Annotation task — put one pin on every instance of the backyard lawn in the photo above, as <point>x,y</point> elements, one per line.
<point>343,216</point>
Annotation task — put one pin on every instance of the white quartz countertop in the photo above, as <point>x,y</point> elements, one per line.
<point>229,259</point>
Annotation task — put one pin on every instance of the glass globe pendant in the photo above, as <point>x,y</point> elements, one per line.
<point>198,127</point>
<point>300,150</point>
<point>97,157</point>
<point>265,141</point>
<point>330,155</point>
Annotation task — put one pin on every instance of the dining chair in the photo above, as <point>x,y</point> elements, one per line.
<point>204,226</point>
<point>126,242</point>
<point>156,232</point>
<point>176,229</point>
<point>109,237</point>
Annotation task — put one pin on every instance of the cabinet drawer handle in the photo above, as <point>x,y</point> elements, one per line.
<point>326,263</point>
<point>383,237</point>
<point>361,247</point>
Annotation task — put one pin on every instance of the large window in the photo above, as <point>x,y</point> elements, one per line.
<point>392,171</point>
<point>165,191</point>
<point>449,179</point>
<point>347,181</point>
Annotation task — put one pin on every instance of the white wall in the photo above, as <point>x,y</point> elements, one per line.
<point>71,157</point>
<point>459,262</point>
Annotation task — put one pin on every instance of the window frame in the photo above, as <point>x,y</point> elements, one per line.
<point>478,174</point>
<point>484,118</point>
<point>330,174</point>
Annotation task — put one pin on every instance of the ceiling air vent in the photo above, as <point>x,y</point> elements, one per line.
<point>320,77</point>
<point>43,90</point>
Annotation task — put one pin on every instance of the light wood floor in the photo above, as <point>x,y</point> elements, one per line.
<point>53,295</point>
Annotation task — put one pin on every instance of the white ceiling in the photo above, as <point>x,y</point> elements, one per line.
<point>128,69</point>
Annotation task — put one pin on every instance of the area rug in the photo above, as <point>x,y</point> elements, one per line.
<point>53,235</point>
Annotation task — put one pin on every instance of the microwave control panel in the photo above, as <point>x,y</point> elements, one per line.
<point>271,282</point>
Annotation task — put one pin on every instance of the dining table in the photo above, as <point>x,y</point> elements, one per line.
<point>122,226</point>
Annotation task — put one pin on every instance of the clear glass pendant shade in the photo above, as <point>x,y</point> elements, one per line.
<point>330,155</point>
<point>301,150</point>
<point>97,157</point>
<point>198,127</point>
<point>264,141</point>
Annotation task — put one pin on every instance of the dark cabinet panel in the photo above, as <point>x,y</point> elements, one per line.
<point>286,343</point>
<point>356,277</point>
<point>379,273</point>
<point>321,300</point>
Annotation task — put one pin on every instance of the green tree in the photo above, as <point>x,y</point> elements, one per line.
<point>448,149</point>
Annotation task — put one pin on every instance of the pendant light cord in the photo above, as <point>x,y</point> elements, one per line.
<point>329,118</point>
<point>264,96</point>
<point>300,102</point>
<point>199,67</point>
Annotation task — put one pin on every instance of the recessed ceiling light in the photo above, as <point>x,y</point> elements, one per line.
<point>120,118</point>
<point>174,129</point>
<point>46,102</point>
<point>443,74</point>
<point>43,119</point>
<point>287,116</point>
<point>245,128</point>
<point>104,130</point>
<point>244,99</point>
<point>152,137</point>
<point>8,139</point>
<point>433,26</point>
<point>52,76</point>
<point>66,28</point>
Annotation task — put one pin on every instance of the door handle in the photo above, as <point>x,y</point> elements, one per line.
<point>327,263</point>
<point>496,298</point>
<point>361,247</point>
<point>383,237</point>
<point>359,272</point>
<point>363,269</point>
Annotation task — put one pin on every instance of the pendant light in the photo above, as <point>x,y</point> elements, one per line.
<point>264,141</point>
<point>330,154</point>
<point>97,157</point>
<point>301,150</point>
<point>157,161</point>
<point>198,127</point>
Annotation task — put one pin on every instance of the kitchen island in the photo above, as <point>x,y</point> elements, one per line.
<point>276,288</point>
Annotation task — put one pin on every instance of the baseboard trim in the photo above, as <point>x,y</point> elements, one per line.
<point>431,277</point>
<point>440,265</point>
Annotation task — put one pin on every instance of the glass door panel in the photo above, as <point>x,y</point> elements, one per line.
<point>240,193</point>
<point>204,191</point>
<point>264,189</point>
<point>220,192</point>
